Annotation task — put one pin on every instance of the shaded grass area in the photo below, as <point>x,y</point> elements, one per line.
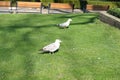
<point>89,49</point>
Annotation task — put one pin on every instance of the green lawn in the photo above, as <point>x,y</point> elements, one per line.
<point>90,49</point>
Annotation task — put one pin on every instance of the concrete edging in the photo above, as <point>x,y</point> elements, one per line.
<point>109,19</point>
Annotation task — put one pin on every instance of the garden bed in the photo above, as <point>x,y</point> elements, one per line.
<point>114,12</point>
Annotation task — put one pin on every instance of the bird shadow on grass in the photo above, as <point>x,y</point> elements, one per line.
<point>63,28</point>
<point>48,52</point>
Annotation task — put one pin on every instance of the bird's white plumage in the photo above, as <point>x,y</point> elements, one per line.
<point>52,47</point>
<point>65,24</point>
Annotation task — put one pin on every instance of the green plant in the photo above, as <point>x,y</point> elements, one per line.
<point>110,3</point>
<point>114,12</point>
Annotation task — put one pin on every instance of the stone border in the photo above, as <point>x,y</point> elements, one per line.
<point>109,19</point>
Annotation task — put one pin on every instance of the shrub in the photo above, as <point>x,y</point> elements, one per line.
<point>114,12</point>
<point>76,2</point>
<point>110,3</point>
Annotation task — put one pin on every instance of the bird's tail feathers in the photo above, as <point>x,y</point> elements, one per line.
<point>41,51</point>
<point>57,24</point>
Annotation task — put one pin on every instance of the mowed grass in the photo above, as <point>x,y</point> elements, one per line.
<point>90,49</point>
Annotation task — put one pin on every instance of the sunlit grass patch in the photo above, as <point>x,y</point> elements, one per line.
<point>89,49</point>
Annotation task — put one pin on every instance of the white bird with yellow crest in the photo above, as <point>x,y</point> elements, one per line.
<point>52,47</point>
<point>65,24</point>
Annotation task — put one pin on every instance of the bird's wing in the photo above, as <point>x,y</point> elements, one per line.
<point>49,47</point>
<point>63,24</point>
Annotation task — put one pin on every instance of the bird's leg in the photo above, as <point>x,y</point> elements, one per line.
<point>51,52</point>
<point>67,27</point>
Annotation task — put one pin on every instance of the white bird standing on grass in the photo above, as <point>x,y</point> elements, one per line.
<point>65,24</point>
<point>52,47</point>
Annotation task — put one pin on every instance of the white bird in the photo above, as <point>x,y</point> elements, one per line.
<point>52,47</point>
<point>65,24</point>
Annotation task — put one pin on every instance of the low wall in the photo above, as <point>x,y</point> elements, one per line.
<point>109,19</point>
